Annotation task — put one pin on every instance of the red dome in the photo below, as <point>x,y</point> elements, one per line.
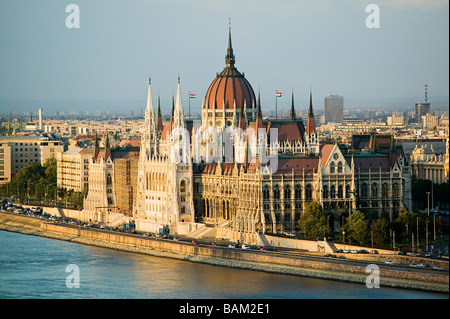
<point>230,86</point>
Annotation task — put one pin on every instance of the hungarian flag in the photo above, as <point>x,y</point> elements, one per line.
<point>192,96</point>
<point>354,192</point>
<point>278,94</point>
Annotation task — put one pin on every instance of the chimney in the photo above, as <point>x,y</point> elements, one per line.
<point>40,118</point>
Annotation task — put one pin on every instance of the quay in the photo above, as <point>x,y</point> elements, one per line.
<point>299,264</point>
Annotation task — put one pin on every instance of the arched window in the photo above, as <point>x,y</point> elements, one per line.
<point>364,190</point>
<point>308,191</point>
<point>374,190</point>
<point>325,191</point>
<point>266,193</point>
<point>385,190</point>
<point>332,167</point>
<point>287,192</point>
<point>339,167</point>
<point>183,186</point>
<point>340,191</point>
<point>298,192</point>
<point>332,191</point>
<point>276,192</point>
<point>395,190</point>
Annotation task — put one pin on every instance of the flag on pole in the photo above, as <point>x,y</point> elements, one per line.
<point>192,96</point>
<point>278,94</point>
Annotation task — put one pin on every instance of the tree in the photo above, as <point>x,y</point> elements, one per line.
<point>357,227</point>
<point>312,221</point>
<point>380,231</point>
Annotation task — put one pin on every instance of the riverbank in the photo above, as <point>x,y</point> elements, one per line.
<point>221,257</point>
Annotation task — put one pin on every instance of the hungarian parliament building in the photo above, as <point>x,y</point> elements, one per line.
<point>236,174</point>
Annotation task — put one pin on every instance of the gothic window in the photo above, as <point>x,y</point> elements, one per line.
<point>332,191</point>
<point>364,190</point>
<point>266,193</point>
<point>385,190</point>
<point>287,192</point>
<point>339,168</point>
<point>308,191</point>
<point>183,186</point>
<point>340,191</point>
<point>325,191</point>
<point>298,192</point>
<point>332,167</point>
<point>395,190</point>
<point>276,192</point>
<point>374,190</point>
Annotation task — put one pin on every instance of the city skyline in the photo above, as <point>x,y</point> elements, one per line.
<point>284,46</point>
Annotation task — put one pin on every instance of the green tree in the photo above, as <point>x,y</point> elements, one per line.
<point>380,231</point>
<point>312,221</point>
<point>357,227</point>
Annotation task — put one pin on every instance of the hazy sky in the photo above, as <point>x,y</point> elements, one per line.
<point>283,44</point>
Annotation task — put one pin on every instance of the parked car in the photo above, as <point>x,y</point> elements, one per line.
<point>427,255</point>
<point>245,246</point>
<point>389,262</point>
<point>421,265</point>
<point>402,253</point>
<point>414,255</point>
<point>413,265</point>
<point>231,246</point>
<point>438,267</point>
<point>354,251</point>
<point>346,251</point>
<point>374,251</point>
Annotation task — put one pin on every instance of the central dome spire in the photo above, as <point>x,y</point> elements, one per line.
<point>229,59</point>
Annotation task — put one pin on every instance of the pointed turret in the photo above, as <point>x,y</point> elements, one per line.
<point>96,147</point>
<point>178,116</point>
<point>311,125</point>
<point>242,124</point>
<point>292,115</point>
<point>171,114</point>
<point>259,121</point>
<point>159,118</point>
<point>107,148</point>
<point>149,112</point>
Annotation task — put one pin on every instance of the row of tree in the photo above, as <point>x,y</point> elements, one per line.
<point>358,230</point>
<point>36,183</point>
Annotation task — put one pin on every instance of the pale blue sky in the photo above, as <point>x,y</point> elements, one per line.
<point>283,44</point>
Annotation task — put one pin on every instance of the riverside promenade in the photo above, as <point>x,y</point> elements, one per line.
<point>293,264</point>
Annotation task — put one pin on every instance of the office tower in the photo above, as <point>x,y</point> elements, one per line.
<point>334,109</point>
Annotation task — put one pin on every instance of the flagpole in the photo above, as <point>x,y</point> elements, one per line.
<point>276,100</point>
<point>189,99</point>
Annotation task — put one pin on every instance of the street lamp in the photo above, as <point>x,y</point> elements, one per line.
<point>428,205</point>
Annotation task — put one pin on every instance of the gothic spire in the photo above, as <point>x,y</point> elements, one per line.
<point>178,116</point>
<point>229,59</point>
<point>311,125</point>
<point>292,115</point>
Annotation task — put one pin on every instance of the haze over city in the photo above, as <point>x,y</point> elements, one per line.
<point>279,45</point>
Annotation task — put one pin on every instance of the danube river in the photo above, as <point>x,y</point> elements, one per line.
<point>35,267</point>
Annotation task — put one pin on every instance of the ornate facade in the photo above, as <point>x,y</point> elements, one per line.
<point>243,175</point>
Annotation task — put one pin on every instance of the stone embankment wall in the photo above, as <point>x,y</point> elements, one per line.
<point>222,257</point>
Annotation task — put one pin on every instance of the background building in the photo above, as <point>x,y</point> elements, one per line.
<point>422,108</point>
<point>17,151</point>
<point>334,109</point>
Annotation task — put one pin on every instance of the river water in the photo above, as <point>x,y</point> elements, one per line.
<point>34,267</point>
